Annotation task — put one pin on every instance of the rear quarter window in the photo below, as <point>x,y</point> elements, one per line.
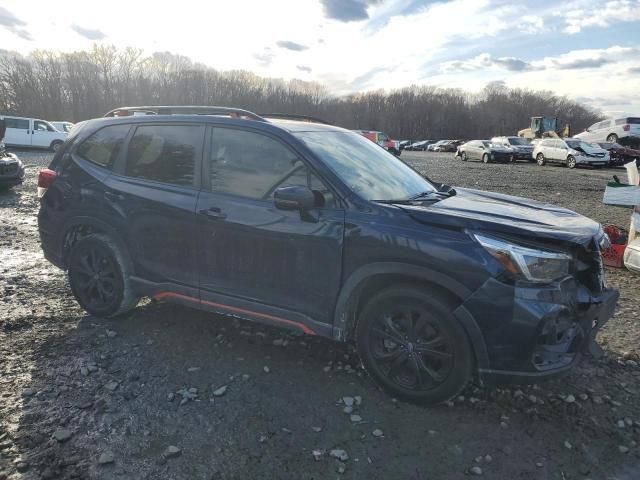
<point>103,146</point>
<point>17,123</point>
<point>630,120</point>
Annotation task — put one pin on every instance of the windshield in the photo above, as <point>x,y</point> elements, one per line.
<point>368,170</point>
<point>578,144</point>
<point>518,141</point>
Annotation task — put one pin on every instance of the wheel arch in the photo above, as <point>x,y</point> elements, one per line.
<point>369,279</point>
<point>78,227</point>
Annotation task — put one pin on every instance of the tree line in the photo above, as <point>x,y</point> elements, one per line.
<point>86,84</point>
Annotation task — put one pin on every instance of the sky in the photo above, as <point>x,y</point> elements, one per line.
<point>588,50</point>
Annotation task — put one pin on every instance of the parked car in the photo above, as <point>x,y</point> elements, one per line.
<point>485,151</point>
<point>420,146</point>
<point>433,146</point>
<point>619,155</point>
<point>625,129</point>
<point>32,132</point>
<point>382,139</point>
<point>448,146</point>
<point>403,144</point>
<point>522,148</point>
<point>11,168</point>
<point>293,227</point>
<point>570,152</point>
<point>62,126</point>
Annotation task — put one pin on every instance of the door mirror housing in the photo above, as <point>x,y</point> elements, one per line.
<point>294,198</point>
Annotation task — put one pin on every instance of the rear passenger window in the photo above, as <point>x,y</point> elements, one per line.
<point>165,153</point>
<point>104,146</point>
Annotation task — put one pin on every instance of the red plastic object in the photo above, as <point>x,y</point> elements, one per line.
<point>613,256</point>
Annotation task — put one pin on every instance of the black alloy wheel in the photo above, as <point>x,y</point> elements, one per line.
<point>413,346</point>
<point>99,277</point>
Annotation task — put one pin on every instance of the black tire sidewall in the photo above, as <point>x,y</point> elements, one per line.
<point>569,164</point>
<point>485,158</point>
<point>540,160</point>
<point>464,359</point>
<point>98,241</point>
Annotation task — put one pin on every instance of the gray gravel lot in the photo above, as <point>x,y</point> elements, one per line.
<point>142,397</point>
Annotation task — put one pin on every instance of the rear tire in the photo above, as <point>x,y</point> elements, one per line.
<point>99,275</point>
<point>613,138</point>
<point>540,160</point>
<point>55,146</point>
<point>412,345</point>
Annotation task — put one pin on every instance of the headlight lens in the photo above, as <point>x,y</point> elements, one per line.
<point>539,266</point>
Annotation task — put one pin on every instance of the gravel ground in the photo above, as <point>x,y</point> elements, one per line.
<point>173,393</point>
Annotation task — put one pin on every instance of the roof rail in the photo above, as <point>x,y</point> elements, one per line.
<point>183,110</point>
<point>292,116</point>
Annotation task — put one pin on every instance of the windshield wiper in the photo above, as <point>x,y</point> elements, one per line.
<point>403,201</point>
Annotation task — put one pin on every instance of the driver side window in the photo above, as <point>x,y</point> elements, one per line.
<point>41,126</point>
<point>253,165</point>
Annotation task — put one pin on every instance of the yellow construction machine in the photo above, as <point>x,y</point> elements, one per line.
<point>543,127</point>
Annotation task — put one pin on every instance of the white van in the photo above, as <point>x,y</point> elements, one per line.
<point>32,132</point>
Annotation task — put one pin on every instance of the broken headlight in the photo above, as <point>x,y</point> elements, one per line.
<point>540,266</point>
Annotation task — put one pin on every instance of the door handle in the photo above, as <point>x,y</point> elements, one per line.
<point>214,213</point>
<point>114,197</point>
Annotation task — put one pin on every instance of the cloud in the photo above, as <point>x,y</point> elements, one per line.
<point>265,58</point>
<point>303,68</point>
<point>486,61</point>
<point>13,24</point>
<point>347,10</point>
<point>599,15</point>
<point>89,33</point>
<point>289,45</point>
<point>588,58</point>
<point>633,70</point>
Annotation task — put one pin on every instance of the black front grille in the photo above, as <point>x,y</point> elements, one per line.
<point>8,169</point>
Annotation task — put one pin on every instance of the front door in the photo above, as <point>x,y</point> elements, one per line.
<point>43,134</point>
<point>253,252</point>
<point>155,188</point>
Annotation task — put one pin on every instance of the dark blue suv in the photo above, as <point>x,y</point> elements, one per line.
<point>312,227</point>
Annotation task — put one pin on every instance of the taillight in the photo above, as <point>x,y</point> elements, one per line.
<point>626,127</point>
<point>45,179</point>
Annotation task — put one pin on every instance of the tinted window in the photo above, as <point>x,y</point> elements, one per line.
<point>365,168</point>
<point>165,153</point>
<point>255,165</point>
<point>104,146</point>
<point>631,120</point>
<point>17,123</point>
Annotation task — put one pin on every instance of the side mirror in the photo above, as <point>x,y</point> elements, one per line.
<point>294,198</point>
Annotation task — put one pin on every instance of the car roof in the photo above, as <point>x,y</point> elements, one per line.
<point>290,126</point>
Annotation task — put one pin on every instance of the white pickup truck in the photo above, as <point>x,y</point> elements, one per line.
<point>32,132</point>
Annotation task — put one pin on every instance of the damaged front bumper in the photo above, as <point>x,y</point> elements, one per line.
<point>534,332</point>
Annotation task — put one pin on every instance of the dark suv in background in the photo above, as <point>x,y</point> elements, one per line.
<point>315,228</point>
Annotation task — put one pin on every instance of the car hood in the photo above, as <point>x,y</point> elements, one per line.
<point>488,211</point>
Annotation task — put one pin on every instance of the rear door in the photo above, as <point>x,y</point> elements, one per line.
<point>155,189</point>
<point>18,131</point>
<point>252,251</point>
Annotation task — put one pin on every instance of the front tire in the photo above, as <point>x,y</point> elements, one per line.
<point>464,156</point>
<point>571,161</point>
<point>99,275</point>
<point>540,159</point>
<point>412,345</point>
<point>485,158</point>
<point>613,138</point>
